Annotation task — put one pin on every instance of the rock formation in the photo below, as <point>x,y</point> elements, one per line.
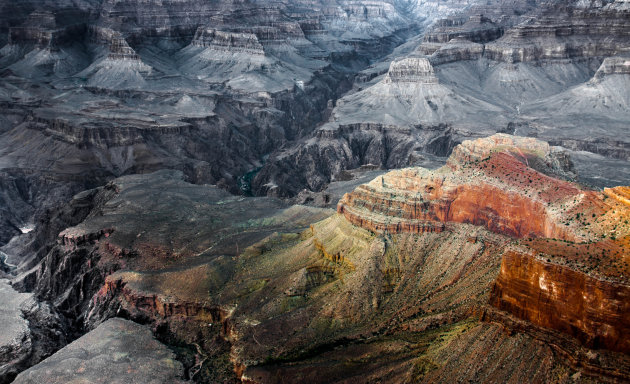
<point>412,70</point>
<point>571,272</point>
<point>116,351</point>
<point>477,28</point>
<point>519,67</point>
<point>32,331</point>
<point>133,134</point>
<point>479,185</point>
<point>497,251</point>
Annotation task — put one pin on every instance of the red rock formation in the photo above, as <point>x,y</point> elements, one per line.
<point>486,182</point>
<point>596,312</point>
<point>570,270</point>
<point>498,210</point>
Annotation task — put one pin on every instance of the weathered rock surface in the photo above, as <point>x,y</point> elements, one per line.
<point>332,150</point>
<point>559,297</point>
<point>574,281</point>
<point>417,200</point>
<point>15,344</point>
<point>525,68</point>
<point>117,351</point>
<point>134,87</point>
<point>477,28</point>
<point>31,331</point>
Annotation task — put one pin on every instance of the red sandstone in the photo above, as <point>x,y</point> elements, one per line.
<point>570,271</point>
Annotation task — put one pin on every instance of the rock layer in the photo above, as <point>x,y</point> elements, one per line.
<point>118,351</point>
<point>413,70</point>
<point>416,198</point>
<point>594,311</point>
<point>569,274</point>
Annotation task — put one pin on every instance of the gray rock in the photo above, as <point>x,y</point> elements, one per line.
<point>31,331</point>
<point>118,351</point>
<point>15,339</point>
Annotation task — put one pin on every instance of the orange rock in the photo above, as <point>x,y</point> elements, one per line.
<point>596,312</point>
<point>570,271</point>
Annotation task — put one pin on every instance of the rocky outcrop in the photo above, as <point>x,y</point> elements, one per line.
<point>430,212</point>
<point>592,310</point>
<point>334,149</point>
<point>119,49</point>
<point>413,70</point>
<point>228,41</point>
<point>103,135</point>
<point>175,320</point>
<point>16,343</point>
<point>477,28</point>
<point>568,274</point>
<point>117,351</point>
<point>455,51</point>
<point>418,200</point>
<point>613,66</point>
<point>32,331</point>
<point>551,38</point>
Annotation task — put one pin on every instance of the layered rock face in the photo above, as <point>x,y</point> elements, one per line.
<point>570,274</point>
<point>417,200</point>
<point>333,149</point>
<point>413,70</point>
<point>613,66</point>
<point>477,28</point>
<point>593,310</point>
<point>396,286</point>
<point>561,40</point>
<point>247,42</point>
<point>527,68</point>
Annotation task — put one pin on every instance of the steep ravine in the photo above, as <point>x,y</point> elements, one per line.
<point>217,149</point>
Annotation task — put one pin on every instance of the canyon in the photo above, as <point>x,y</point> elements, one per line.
<point>351,191</point>
<point>394,286</point>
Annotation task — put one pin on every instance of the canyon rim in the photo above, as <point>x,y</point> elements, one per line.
<point>315,191</point>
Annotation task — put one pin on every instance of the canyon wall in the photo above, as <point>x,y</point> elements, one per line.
<point>569,272</point>
<point>594,311</point>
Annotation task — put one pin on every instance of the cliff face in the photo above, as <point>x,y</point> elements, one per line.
<point>256,291</point>
<point>477,28</point>
<point>594,311</point>
<point>413,70</point>
<point>492,207</point>
<point>235,42</point>
<point>349,146</point>
<point>482,184</point>
<point>569,273</point>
